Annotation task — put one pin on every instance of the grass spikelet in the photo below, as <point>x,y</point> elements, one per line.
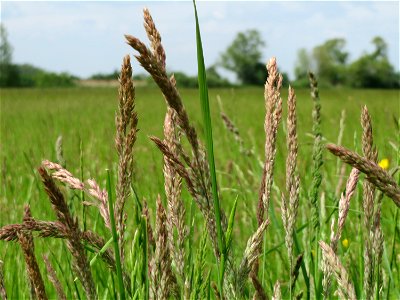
<point>150,60</point>
<point>91,188</point>
<point>54,279</point>
<point>251,253</point>
<point>63,175</point>
<point>126,123</point>
<point>346,288</point>
<point>154,38</point>
<point>316,175</point>
<point>290,201</point>
<point>368,204</point>
<point>344,206</point>
<point>374,174</point>
<point>60,152</point>
<point>3,292</point>
<point>273,115</point>
<point>81,264</point>
<point>277,291</point>
<point>173,189</point>
<point>150,236</point>
<point>28,248</point>
<point>32,267</point>
<point>317,151</point>
<point>164,281</point>
<point>101,203</point>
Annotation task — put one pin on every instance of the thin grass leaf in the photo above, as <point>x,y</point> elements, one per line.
<point>115,238</point>
<point>145,271</point>
<point>230,226</point>
<point>101,251</point>
<point>205,107</point>
<point>82,194</point>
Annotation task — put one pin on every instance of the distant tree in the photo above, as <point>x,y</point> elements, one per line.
<point>183,80</point>
<point>330,61</point>
<point>8,71</point>
<point>243,57</point>
<point>50,79</point>
<point>106,76</point>
<point>214,79</point>
<point>28,75</point>
<point>374,70</point>
<point>5,47</point>
<point>303,64</point>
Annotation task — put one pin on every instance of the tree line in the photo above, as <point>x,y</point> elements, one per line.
<point>26,75</point>
<point>330,61</point>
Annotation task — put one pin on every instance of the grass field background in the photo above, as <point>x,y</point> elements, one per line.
<point>32,119</point>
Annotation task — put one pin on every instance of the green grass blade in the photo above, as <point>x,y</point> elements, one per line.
<point>115,238</point>
<point>205,107</point>
<point>230,226</point>
<point>82,195</point>
<point>145,271</point>
<point>101,251</point>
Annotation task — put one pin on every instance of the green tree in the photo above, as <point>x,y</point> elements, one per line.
<point>374,70</point>
<point>243,57</point>
<point>8,71</point>
<point>303,65</point>
<point>330,61</point>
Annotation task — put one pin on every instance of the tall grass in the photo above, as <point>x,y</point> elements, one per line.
<point>161,252</point>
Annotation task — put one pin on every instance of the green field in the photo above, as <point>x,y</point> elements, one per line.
<point>32,119</point>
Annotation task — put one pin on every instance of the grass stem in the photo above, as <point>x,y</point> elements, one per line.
<point>115,238</point>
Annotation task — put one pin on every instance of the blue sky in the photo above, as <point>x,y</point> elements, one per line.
<point>84,38</point>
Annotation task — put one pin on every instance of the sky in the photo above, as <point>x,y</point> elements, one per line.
<point>84,38</point>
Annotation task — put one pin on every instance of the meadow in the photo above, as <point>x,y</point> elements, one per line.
<point>33,119</point>
<point>208,194</point>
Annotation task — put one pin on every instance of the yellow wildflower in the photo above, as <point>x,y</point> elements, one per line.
<point>384,164</point>
<point>345,243</point>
